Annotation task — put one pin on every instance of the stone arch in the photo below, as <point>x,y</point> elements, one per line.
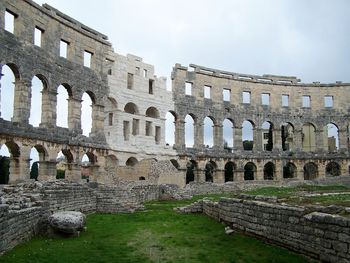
<point>86,118</point>
<point>64,96</point>
<point>230,167</point>
<point>228,133</point>
<point>191,168</point>
<point>132,161</point>
<point>309,137</point>
<point>269,171</point>
<point>287,136</point>
<point>310,171</point>
<point>331,137</point>
<point>267,136</point>
<point>131,108</point>
<point>152,112</point>
<point>9,78</point>
<point>37,155</point>
<point>248,128</point>
<point>249,171</point>
<point>333,169</point>
<point>190,122</point>
<point>4,164</point>
<point>170,127</point>
<point>209,171</point>
<point>208,133</point>
<point>39,96</point>
<point>289,171</point>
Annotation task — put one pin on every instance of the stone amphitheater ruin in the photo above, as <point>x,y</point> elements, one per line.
<point>129,160</point>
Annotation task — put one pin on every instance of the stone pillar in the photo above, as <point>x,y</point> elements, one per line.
<point>218,137</point>
<point>257,135</point>
<point>21,102</point>
<point>238,175</point>
<point>277,140</point>
<point>298,140</point>
<point>47,170</point>
<point>259,174</point>
<point>237,140</point>
<point>278,171</point>
<point>320,146</point>
<point>199,176</point>
<point>49,107</point>
<point>95,175</point>
<point>343,141</point>
<point>219,176</point>
<point>97,129</point>
<point>20,166</point>
<point>74,115</point>
<point>73,172</point>
<point>179,134</point>
<point>198,135</point>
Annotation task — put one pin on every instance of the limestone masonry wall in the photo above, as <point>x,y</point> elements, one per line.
<point>322,236</point>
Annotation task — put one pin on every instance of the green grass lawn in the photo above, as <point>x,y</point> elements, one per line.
<point>156,235</point>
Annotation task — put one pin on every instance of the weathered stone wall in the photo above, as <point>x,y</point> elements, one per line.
<point>319,235</point>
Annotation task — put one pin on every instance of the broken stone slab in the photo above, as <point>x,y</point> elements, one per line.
<point>68,222</point>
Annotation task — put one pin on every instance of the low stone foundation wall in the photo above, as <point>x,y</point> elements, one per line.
<point>319,235</point>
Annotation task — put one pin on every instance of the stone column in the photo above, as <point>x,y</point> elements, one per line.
<point>47,170</point>
<point>298,141</point>
<point>20,166</point>
<point>218,137</point>
<point>278,171</point>
<point>219,176</point>
<point>73,172</point>
<point>238,175</point>
<point>21,102</point>
<point>277,140</point>
<point>198,135</point>
<point>320,146</point>
<point>49,107</point>
<point>321,170</point>
<point>74,115</point>
<point>237,140</point>
<point>343,141</point>
<point>258,139</point>
<point>199,176</point>
<point>97,129</point>
<point>259,174</point>
<point>179,134</point>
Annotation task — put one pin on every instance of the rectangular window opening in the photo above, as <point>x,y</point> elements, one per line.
<point>207,90</point>
<point>188,88</point>
<point>10,21</point>
<point>306,101</point>
<point>138,71</point>
<point>126,130</point>
<point>87,58</point>
<point>150,86</point>
<point>157,137</point>
<point>38,36</point>
<point>135,126</point>
<point>130,81</point>
<point>285,100</point>
<point>265,99</point>
<point>328,101</point>
<point>145,73</point>
<point>63,48</point>
<point>148,128</point>
<point>226,94</point>
<point>110,119</point>
<point>246,97</point>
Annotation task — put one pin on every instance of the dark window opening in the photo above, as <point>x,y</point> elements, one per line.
<point>150,86</point>
<point>130,81</point>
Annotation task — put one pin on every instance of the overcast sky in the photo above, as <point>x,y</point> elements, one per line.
<point>309,39</point>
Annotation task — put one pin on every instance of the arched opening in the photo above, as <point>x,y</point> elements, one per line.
<point>310,171</point>
<point>249,171</point>
<point>287,135</point>
<point>190,172</point>
<point>267,136</point>
<point>34,163</point>
<point>228,134</point>
<point>132,161</point>
<point>62,163</point>
<point>289,171</point>
<point>38,87</point>
<point>248,135</point>
<point>229,170</point>
<point>131,108</point>
<point>269,171</point>
<point>7,85</point>
<point>142,178</point>
<point>63,96</point>
<point>208,132</point>
<point>210,171</point>
<point>87,161</point>
<point>4,164</point>
<point>175,163</point>
<point>86,113</point>
<point>332,139</point>
<point>333,169</point>
<point>309,137</point>
<point>189,131</point>
<point>152,112</point>
<point>170,119</point>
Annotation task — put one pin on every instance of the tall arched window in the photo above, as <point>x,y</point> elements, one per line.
<point>62,106</point>
<point>248,135</point>
<point>86,114</point>
<point>170,128</point>
<point>7,86</point>
<point>228,133</point>
<point>36,101</point>
<point>189,131</point>
<point>208,132</point>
